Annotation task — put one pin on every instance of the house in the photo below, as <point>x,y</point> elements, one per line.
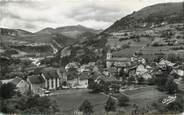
<point>51,77</point>
<point>179,72</point>
<point>106,79</point>
<point>85,68</point>
<point>21,85</point>
<point>62,75</point>
<point>141,69</point>
<point>116,61</point>
<point>83,80</point>
<point>37,84</point>
<point>146,76</point>
<point>5,81</point>
<point>180,83</point>
<point>112,83</point>
<point>138,60</point>
<point>110,72</point>
<point>131,70</point>
<point>72,65</point>
<point>73,83</point>
<point>164,63</point>
<point>48,80</point>
<point>72,78</point>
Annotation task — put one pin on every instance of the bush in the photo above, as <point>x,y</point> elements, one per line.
<point>125,46</point>
<point>96,88</point>
<point>151,81</point>
<point>123,100</point>
<point>110,105</point>
<point>173,57</point>
<point>156,44</point>
<point>29,105</point>
<point>7,90</point>
<point>86,107</point>
<point>171,86</point>
<point>141,80</point>
<point>176,106</point>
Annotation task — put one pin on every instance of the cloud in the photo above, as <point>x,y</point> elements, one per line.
<point>34,15</point>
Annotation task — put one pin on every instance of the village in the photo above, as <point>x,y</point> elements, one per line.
<point>93,57</point>
<point>118,76</point>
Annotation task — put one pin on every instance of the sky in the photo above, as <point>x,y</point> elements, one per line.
<point>34,15</point>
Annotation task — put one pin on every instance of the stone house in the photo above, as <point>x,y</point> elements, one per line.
<point>141,69</point>
<point>83,79</point>
<point>37,84</point>
<point>116,61</point>
<point>51,78</point>
<point>48,80</point>
<point>21,85</point>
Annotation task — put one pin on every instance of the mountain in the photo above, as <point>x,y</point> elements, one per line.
<point>46,31</point>
<point>150,16</point>
<point>149,31</point>
<point>70,31</point>
<point>27,43</point>
<point>44,42</point>
<point>14,32</point>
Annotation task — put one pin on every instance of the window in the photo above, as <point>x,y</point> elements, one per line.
<point>48,84</point>
<point>52,83</point>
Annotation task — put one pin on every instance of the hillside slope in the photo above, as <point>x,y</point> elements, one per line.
<point>76,32</point>
<point>150,17</point>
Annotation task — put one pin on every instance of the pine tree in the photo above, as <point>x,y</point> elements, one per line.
<point>86,107</point>
<point>110,105</point>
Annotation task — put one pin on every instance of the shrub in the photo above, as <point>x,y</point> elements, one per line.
<point>7,90</point>
<point>123,100</point>
<point>171,86</point>
<point>176,106</point>
<point>156,44</point>
<point>110,105</point>
<point>86,107</point>
<point>125,46</point>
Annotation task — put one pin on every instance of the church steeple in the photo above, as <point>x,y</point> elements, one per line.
<point>108,59</point>
<point>109,55</point>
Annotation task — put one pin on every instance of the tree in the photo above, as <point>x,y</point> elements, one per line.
<point>176,106</point>
<point>105,87</point>
<point>86,107</point>
<point>171,86</point>
<point>173,57</point>
<point>110,105</point>
<point>140,80</point>
<point>91,82</point>
<point>160,81</point>
<point>7,90</point>
<point>123,100</point>
<point>37,105</point>
<point>96,88</point>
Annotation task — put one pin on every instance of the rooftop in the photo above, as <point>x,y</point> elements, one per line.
<point>50,73</point>
<point>16,80</point>
<point>36,79</point>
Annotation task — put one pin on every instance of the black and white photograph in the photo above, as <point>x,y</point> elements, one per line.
<point>91,57</point>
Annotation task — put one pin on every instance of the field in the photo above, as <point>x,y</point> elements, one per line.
<point>143,97</point>
<point>70,100</point>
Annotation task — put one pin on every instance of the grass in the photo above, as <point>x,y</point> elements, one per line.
<point>70,100</point>
<point>143,97</point>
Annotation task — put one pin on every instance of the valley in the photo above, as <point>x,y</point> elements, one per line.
<point>135,66</point>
